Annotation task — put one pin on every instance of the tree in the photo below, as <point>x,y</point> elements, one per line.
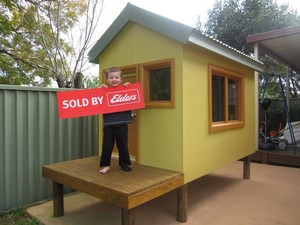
<point>80,37</point>
<point>91,81</point>
<point>34,43</point>
<point>15,46</point>
<point>231,21</point>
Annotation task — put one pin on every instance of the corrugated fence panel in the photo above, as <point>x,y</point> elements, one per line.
<point>31,135</point>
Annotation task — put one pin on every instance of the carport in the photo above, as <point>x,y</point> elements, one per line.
<point>284,46</point>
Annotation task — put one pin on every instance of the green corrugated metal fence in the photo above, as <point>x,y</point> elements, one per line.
<point>31,135</point>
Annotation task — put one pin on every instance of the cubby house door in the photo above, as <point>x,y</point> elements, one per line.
<point>129,75</point>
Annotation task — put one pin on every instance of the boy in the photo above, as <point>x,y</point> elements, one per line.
<point>115,128</point>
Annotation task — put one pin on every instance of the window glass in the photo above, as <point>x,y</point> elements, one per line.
<point>226,96</point>
<point>218,104</point>
<point>160,84</point>
<point>232,99</point>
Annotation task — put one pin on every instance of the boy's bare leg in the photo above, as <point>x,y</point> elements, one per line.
<point>104,169</point>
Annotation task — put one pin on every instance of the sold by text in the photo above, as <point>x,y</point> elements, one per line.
<point>83,102</point>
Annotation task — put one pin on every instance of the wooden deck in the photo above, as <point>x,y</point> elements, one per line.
<point>124,189</point>
<point>289,157</point>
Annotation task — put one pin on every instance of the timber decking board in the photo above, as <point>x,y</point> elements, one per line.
<point>125,189</point>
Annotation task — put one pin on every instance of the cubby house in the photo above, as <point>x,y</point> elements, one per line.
<point>199,93</point>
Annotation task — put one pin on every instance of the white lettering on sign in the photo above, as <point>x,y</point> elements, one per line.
<point>120,98</point>
<point>97,100</point>
<point>75,103</point>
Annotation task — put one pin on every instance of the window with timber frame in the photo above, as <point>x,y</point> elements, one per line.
<point>226,99</point>
<point>158,83</point>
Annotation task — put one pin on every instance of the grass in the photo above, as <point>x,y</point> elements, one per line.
<point>17,217</point>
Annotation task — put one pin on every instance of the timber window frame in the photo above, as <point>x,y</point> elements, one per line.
<point>157,78</point>
<point>226,99</point>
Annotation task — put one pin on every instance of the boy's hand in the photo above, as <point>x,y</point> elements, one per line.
<point>126,84</point>
<point>103,86</point>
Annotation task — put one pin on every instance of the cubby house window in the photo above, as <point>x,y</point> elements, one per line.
<point>158,83</point>
<point>226,99</point>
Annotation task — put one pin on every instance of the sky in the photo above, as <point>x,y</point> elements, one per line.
<point>184,11</point>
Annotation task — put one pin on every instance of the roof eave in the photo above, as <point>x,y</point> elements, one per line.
<point>131,13</point>
<point>224,50</point>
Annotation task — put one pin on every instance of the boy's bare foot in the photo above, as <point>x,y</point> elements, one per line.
<point>104,169</point>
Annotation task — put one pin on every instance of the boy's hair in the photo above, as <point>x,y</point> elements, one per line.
<point>111,70</point>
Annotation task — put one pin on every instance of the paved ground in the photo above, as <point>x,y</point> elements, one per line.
<point>270,197</point>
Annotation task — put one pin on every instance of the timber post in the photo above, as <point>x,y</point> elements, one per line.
<point>58,199</point>
<point>182,203</point>
<point>128,217</point>
<point>246,170</point>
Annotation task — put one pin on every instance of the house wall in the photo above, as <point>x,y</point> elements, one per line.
<point>205,152</point>
<point>160,128</point>
<point>178,138</point>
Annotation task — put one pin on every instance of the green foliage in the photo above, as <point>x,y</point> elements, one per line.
<point>31,45</point>
<point>91,81</point>
<point>275,119</point>
<point>231,21</point>
<point>17,217</point>
<point>295,113</point>
<point>276,114</point>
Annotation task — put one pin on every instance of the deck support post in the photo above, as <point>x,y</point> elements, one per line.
<point>182,203</point>
<point>246,170</point>
<point>58,199</point>
<point>128,216</point>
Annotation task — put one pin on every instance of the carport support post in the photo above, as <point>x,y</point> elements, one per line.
<point>246,171</point>
<point>58,199</point>
<point>182,203</point>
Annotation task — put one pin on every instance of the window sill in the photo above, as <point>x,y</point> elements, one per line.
<point>226,126</point>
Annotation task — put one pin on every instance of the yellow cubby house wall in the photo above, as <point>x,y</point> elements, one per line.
<point>204,152</point>
<point>160,131</point>
<point>178,138</point>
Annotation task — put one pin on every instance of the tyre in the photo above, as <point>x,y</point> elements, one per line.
<point>267,146</point>
<point>282,145</point>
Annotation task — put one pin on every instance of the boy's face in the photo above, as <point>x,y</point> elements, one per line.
<point>114,79</point>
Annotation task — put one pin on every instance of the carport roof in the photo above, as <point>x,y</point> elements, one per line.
<point>283,44</point>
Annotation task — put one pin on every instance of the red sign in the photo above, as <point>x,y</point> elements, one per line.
<point>95,101</point>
